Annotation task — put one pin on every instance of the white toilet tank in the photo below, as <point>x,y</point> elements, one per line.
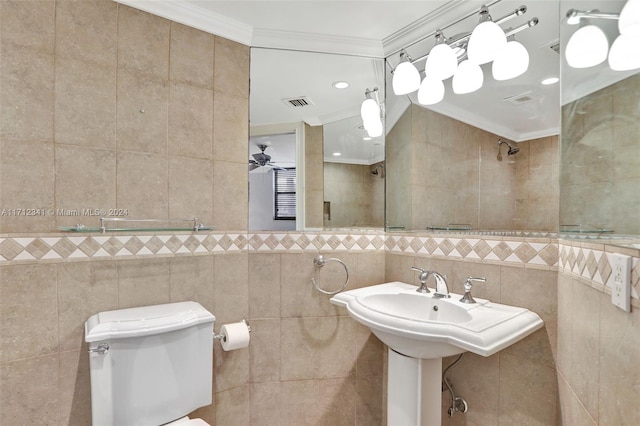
<point>149,365</point>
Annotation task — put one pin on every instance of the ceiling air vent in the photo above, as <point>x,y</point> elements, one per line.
<point>521,98</point>
<point>299,102</point>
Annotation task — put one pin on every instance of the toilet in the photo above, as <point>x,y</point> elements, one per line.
<point>151,365</point>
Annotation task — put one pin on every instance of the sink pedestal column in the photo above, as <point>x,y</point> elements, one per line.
<point>414,391</point>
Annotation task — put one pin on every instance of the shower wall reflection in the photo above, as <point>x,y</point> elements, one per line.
<point>441,171</point>
<point>600,177</point>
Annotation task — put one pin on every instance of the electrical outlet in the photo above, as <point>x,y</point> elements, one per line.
<point>621,284</point>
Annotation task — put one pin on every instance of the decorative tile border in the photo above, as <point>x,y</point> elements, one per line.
<point>514,250</point>
<point>592,264</point>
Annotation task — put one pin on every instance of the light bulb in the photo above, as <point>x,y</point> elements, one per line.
<point>374,129</point>
<point>369,111</point>
<point>512,61</point>
<point>468,78</point>
<point>487,39</point>
<point>587,47</point>
<point>441,62</point>
<point>624,54</point>
<point>629,22</point>
<point>431,91</point>
<point>406,79</point>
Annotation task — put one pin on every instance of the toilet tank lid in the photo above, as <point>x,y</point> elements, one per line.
<point>144,321</point>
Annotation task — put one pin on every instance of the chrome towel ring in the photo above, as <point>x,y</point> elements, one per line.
<point>319,261</point>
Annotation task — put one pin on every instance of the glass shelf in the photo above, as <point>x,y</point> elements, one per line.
<point>144,226</point>
<point>451,227</point>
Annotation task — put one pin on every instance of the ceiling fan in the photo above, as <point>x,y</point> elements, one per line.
<point>261,162</point>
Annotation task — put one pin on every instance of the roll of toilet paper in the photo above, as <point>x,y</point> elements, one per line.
<point>236,336</point>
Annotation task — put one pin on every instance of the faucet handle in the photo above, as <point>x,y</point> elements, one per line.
<point>424,274</point>
<point>468,298</point>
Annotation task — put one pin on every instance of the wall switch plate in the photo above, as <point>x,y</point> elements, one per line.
<point>621,284</point>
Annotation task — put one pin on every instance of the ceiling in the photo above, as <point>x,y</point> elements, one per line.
<point>300,47</point>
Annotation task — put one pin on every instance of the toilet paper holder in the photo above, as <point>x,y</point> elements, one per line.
<point>223,338</point>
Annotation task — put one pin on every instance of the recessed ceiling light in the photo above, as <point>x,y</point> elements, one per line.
<point>341,84</point>
<point>550,80</point>
<point>337,154</point>
<point>366,138</point>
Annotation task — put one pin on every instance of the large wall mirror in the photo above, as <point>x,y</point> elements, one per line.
<point>446,167</point>
<point>600,156</point>
<point>302,119</point>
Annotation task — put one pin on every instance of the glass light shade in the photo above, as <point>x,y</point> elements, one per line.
<point>512,61</point>
<point>431,91</point>
<point>468,78</point>
<point>625,54</point>
<point>406,79</point>
<point>374,129</point>
<point>369,111</point>
<point>487,40</point>
<point>629,22</point>
<point>587,47</point>
<point>441,62</point>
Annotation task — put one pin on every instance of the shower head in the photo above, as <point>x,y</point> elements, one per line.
<point>513,150</point>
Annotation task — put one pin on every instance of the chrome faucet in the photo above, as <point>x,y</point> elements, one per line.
<point>442,289</point>
<point>424,274</point>
<point>467,297</point>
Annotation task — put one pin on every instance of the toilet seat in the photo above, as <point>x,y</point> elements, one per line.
<point>186,421</point>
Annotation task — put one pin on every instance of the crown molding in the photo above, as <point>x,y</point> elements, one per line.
<point>440,17</point>
<point>196,17</point>
<point>312,42</point>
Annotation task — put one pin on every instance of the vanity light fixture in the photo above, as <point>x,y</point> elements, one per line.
<point>461,56</point>
<point>588,46</point>
<point>549,81</point>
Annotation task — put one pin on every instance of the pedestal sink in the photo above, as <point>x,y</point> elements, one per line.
<point>420,330</point>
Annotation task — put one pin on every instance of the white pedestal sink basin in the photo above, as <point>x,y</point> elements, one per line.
<point>420,330</point>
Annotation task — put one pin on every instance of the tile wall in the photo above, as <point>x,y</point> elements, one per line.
<point>454,163</point>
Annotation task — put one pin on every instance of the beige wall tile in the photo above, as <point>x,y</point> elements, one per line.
<point>299,402</point>
<point>29,391</point>
<point>332,344</point>
<point>619,370</point>
<point>398,268</point>
<point>231,68</point>
<point>29,311</point>
<point>371,270</point>
<point>74,391</point>
<point>142,185</point>
<point>370,358</point>
<point>369,404</point>
<point>87,30</point>
<point>191,189</point>
<point>230,128</point>
<point>565,325</point>
<point>142,108</point>
<point>470,380</point>
<point>143,282</point>
<point>521,403</point>
<point>190,121</point>
<point>233,407</point>
<point>264,285</point>
<point>230,195</point>
<point>26,94</point>
<point>85,179</point>
<point>84,289</point>
<point>28,24</point>
<point>265,404</point>
<point>26,182</point>
<point>85,103</point>
<point>231,288</point>
<point>192,278</point>
<point>572,411</point>
<point>337,402</point>
<point>231,368</point>
<point>191,59</point>
<point>586,340</point>
<point>143,43</point>
<point>264,351</point>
